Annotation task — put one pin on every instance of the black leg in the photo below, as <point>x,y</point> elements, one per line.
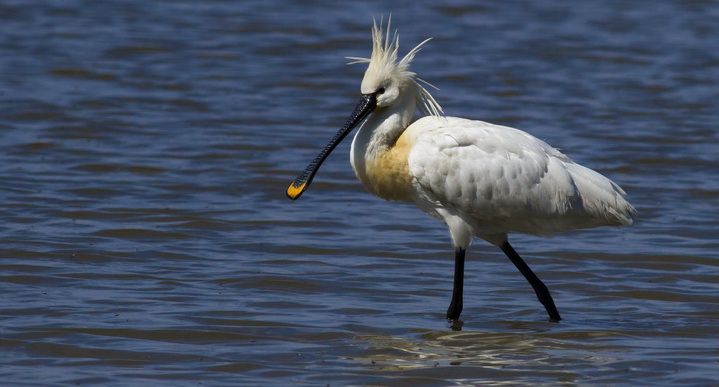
<point>542,292</point>
<point>455,307</point>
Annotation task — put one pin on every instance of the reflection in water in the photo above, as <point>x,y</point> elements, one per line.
<point>500,358</point>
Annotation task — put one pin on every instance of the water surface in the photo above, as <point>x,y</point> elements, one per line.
<point>146,237</point>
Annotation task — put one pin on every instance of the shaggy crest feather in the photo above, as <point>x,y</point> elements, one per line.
<point>383,64</point>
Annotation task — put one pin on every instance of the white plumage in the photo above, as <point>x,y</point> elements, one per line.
<point>500,180</point>
<point>480,179</point>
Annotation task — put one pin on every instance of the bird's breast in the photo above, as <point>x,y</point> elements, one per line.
<point>385,172</point>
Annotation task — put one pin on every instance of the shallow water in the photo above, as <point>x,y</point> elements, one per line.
<point>146,237</point>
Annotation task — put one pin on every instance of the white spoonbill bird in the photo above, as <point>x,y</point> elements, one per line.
<point>480,179</point>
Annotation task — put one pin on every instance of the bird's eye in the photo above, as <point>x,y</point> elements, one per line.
<point>380,91</point>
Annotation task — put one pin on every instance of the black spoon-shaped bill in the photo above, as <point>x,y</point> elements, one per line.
<point>367,104</point>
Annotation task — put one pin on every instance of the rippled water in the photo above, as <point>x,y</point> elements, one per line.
<point>146,237</point>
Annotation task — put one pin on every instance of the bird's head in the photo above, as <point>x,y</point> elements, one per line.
<point>390,78</point>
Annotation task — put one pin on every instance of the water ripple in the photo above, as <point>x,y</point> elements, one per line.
<point>146,237</point>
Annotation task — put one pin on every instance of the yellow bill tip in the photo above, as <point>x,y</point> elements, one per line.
<point>293,192</point>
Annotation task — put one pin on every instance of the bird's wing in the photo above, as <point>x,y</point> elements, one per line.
<point>501,175</point>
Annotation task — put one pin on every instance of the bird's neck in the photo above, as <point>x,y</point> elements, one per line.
<point>379,155</point>
<point>381,131</point>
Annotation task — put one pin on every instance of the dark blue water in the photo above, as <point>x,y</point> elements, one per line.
<point>146,238</point>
